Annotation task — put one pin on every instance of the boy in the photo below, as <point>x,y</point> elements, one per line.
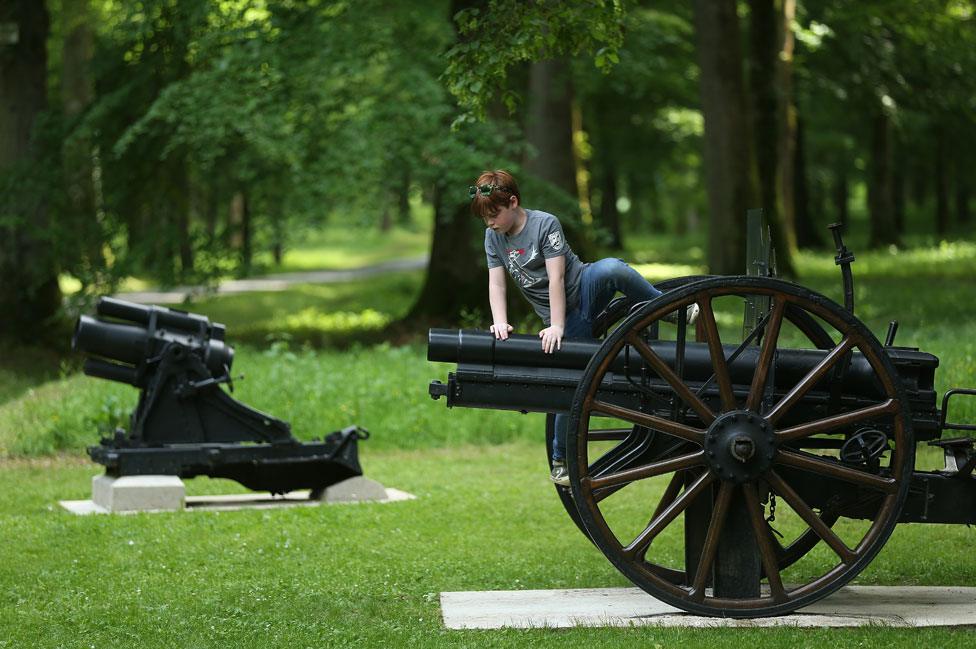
<point>566,293</point>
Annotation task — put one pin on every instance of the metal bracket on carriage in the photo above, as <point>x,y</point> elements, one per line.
<point>960,453</point>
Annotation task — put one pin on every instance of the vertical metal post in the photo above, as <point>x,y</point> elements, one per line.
<point>758,264</point>
<point>738,567</point>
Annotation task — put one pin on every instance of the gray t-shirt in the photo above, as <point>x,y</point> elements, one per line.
<point>524,256</point>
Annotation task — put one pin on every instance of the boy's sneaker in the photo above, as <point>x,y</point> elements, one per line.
<point>559,474</point>
<point>691,315</point>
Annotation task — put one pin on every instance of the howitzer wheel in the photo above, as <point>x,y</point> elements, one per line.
<point>742,445</point>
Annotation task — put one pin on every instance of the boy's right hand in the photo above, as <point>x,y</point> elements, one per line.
<point>501,330</point>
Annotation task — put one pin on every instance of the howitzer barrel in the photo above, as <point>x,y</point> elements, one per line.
<point>121,342</point>
<point>147,330</point>
<point>112,372</point>
<point>166,318</point>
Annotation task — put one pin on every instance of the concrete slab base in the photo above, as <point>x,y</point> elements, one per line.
<point>138,493</point>
<point>893,606</point>
<point>104,501</point>
<point>356,489</point>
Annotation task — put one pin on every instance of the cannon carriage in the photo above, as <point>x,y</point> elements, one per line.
<point>728,470</point>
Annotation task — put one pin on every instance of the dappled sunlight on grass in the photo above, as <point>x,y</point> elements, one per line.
<point>310,323</point>
<point>320,314</point>
<point>343,248</point>
<point>657,272</point>
<point>956,259</point>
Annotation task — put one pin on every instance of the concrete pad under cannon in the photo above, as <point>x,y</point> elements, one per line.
<point>138,493</point>
<point>894,606</point>
<point>353,490</point>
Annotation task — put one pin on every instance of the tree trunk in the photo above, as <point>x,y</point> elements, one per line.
<point>805,208</point>
<point>609,216</point>
<point>29,292</point>
<point>898,193</point>
<point>180,207</point>
<point>77,92</point>
<point>788,122</point>
<point>549,125</point>
<point>881,208</point>
<point>729,164</point>
<point>457,278</point>
<point>941,184</point>
<point>549,132</point>
<point>841,195</point>
<point>963,191</point>
<point>240,228</point>
<point>771,42</point>
<point>403,198</point>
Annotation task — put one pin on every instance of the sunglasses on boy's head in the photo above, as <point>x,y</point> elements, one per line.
<point>484,190</point>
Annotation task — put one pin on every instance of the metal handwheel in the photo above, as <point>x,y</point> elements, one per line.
<point>689,525</point>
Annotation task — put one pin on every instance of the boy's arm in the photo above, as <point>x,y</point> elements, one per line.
<point>552,335</point>
<point>496,298</point>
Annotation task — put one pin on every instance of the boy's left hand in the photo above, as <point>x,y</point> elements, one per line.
<point>552,338</point>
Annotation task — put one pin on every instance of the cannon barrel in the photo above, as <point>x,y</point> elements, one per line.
<point>146,330</point>
<point>515,374</point>
<point>121,342</point>
<point>466,347</point>
<point>166,318</point>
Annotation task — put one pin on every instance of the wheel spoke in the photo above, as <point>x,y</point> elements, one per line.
<point>766,356</point>
<point>712,537</point>
<point>666,373</point>
<point>811,379</point>
<point>609,434</point>
<point>810,517</point>
<point>640,544</point>
<point>836,470</point>
<point>682,431</point>
<point>719,366</point>
<point>670,493</point>
<point>767,551</point>
<point>837,421</point>
<point>647,471</point>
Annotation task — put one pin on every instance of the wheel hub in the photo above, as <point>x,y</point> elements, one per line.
<point>740,446</point>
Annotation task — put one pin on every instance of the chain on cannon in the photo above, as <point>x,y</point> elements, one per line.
<point>184,424</point>
<point>687,446</point>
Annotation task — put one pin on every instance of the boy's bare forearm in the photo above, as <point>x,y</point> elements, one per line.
<point>557,301</point>
<point>497,302</point>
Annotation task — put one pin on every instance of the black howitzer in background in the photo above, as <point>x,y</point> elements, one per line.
<point>747,450</point>
<point>184,423</point>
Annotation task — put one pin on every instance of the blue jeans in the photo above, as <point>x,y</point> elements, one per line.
<point>599,282</point>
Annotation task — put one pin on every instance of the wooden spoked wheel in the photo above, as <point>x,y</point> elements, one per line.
<point>744,441</point>
<point>635,445</point>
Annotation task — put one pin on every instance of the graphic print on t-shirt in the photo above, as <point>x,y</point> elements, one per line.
<point>518,268</point>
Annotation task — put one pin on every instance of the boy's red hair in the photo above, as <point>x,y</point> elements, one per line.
<point>505,188</point>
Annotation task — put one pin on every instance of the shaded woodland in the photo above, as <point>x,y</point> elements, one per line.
<point>172,139</point>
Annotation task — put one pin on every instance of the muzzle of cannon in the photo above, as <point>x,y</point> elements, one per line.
<point>184,424</point>
<point>714,465</point>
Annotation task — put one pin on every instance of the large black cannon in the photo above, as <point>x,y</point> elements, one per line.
<point>184,424</point>
<point>729,470</point>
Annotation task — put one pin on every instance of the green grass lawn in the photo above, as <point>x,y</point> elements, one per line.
<point>369,575</point>
<point>355,575</point>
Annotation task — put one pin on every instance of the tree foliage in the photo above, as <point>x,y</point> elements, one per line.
<point>177,138</point>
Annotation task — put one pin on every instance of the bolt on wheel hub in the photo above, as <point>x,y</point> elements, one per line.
<point>740,446</point>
